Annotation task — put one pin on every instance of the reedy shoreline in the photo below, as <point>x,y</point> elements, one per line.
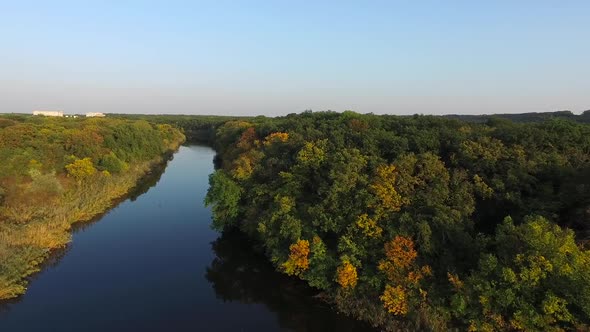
<point>44,227</point>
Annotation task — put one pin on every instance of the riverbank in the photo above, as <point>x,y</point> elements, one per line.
<point>43,226</point>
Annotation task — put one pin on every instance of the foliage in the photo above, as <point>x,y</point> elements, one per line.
<point>405,214</point>
<point>346,275</point>
<point>395,301</point>
<point>383,186</point>
<point>111,163</point>
<point>298,260</point>
<point>536,280</point>
<point>224,194</point>
<point>81,169</point>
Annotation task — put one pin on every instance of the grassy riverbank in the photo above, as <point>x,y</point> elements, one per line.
<point>44,189</point>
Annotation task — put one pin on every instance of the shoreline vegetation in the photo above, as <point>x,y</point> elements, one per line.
<point>59,172</point>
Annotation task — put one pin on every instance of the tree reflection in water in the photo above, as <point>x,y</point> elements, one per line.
<point>239,273</point>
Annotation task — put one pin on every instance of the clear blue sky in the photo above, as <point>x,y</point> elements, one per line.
<point>279,57</point>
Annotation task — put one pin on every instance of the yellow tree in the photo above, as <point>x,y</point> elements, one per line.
<point>383,187</point>
<point>368,226</point>
<point>276,137</point>
<point>298,261</point>
<point>243,166</point>
<point>395,300</point>
<point>81,169</point>
<point>313,153</point>
<point>346,275</point>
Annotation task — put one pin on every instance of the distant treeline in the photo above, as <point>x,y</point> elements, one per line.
<point>57,171</point>
<point>201,128</point>
<point>418,222</point>
<point>526,117</point>
<point>197,128</point>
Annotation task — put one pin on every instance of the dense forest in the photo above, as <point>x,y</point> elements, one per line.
<point>57,171</point>
<point>418,222</point>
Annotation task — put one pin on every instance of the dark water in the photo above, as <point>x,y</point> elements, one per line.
<point>153,264</point>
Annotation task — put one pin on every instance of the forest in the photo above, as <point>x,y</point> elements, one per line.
<point>418,222</point>
<point>58,171</point>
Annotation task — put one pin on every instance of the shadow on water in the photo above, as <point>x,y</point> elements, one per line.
<point>148,181</point>
<point>241,274</point>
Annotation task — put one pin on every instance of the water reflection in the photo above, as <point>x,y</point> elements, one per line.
<point>151,179</point>
<point>239,273</point>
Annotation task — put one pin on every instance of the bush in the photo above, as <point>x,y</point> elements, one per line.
<point>111,163</point>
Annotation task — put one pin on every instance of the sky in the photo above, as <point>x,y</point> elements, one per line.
<point>280,57</point>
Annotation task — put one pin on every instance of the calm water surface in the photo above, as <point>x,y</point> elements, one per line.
<point>153,264</point>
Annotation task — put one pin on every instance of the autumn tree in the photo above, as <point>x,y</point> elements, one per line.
<point>312,154</point>
<point>276,137</point>
<point>368,226</point>
<point>81,169</point>
<point>383,187</point>
<point>346,275</point>
<point>403,274</point>
<point>298,261</point>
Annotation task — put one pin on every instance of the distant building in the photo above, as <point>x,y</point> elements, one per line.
<point>49,113</point>
<point>95,114</point>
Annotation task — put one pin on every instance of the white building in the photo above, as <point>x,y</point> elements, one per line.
<point>95,114</point>
<point>49,113</point>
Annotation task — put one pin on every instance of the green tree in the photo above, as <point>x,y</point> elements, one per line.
<point>223,195</point>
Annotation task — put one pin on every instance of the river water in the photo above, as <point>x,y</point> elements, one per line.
<point>152,263</point>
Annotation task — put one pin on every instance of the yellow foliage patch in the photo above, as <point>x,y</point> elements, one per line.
<point>346,275</point>
<point>298,261</point>
<point>276,137</point>
<point>394,300</point>
<point>243,167</point>
<point>383,187</point>
<point>81,169</point>
<point>312,153</point>
<point>368,226</point>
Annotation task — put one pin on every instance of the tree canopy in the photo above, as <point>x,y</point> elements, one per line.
<point>420,221</point>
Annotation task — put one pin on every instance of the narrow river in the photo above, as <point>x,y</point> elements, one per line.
<point>153,264</point>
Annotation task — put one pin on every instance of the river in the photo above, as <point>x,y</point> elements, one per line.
<point>152,263</point>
